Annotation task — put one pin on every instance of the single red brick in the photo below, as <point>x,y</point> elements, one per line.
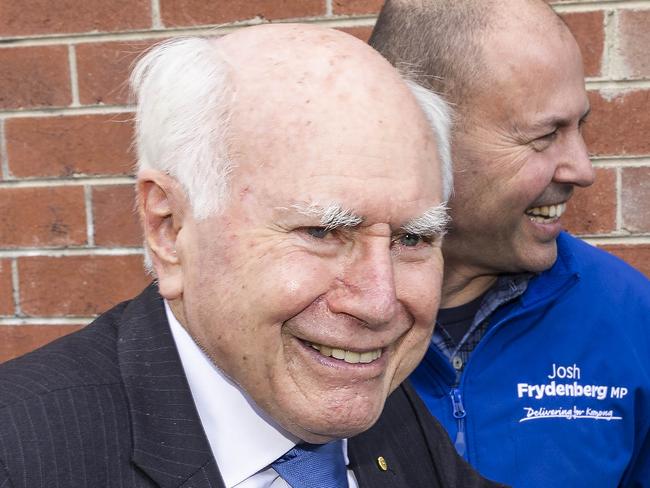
<point>69,145</point>
<point>43,216</point>
<point>34,77</point>
<point>116,222</point>
<point>620,124</point>
<point>635,199</point>
<point>592,210</point>
<point>589,30</point>
<point>354,7</point>
<point>6,289</point>
<point>361,32</point>
<point>634,38</point>
<point>103,70</point>
<point>78,285</point>
<point>16,340</point>
<point>200,12</point>
<point>32,17</point>
<point>636,255</point>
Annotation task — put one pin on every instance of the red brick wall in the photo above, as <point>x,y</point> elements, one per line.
<point>69,241</point>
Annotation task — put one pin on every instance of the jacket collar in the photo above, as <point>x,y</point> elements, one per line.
<point>553,282</point>
<point>169,443</point>
<point>396,451</point>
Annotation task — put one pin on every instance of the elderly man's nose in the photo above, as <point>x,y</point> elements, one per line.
<point>366,289</point>
<point>575,166</point>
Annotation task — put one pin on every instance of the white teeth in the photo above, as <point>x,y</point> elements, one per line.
<point>338,353</point>
<point>351,357</point>
<point>546,212</point>
<point>367,357</point>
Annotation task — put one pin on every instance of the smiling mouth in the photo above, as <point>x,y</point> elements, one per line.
<point>546,214</point>
<point>351,357</point>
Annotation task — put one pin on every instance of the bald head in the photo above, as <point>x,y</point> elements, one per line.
<point>268,90</point>
<point>444,42</point>
<point>297,83</point>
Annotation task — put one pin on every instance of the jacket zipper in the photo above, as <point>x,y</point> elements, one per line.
<point>458,409</point>
<point>459,415</point>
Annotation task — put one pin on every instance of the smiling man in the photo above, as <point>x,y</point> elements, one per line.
<point>294,227</point>
<point>538,366</point>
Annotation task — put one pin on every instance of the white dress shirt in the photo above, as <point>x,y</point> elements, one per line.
<point>243,439</point>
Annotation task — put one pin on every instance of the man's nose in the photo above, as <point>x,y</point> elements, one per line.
<point>366,287</point>
<point>575,166</point>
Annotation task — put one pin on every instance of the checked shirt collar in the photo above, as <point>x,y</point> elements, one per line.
<point>504,290</point>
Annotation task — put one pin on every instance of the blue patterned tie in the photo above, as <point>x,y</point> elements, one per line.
<point>314,466</point>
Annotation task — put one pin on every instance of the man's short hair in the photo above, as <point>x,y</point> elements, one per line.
<point>440,41</point>
<point>437,41</point>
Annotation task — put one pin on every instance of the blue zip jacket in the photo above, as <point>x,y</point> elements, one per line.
<point>557,393</point>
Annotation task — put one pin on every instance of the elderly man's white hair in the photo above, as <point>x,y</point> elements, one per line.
<point>438,114</point>
<point>183,94</point>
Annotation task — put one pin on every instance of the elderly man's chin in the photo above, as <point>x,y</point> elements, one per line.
<point>317,401</point>
<point>324,414</point>
<point>341,404</point>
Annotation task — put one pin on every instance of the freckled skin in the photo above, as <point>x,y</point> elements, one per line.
<point>532,71</point>
<point>256,288</point>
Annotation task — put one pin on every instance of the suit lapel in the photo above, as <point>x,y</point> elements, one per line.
<point>398,439</point>
<point>169,443</point>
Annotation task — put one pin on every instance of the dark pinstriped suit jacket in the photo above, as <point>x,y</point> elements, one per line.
<point>109,406</point>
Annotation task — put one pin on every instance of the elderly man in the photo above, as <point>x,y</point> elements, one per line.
<point>294,226</point>
<point>539,366</point>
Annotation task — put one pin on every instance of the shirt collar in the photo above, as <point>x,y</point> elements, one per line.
<point>506,288</point>
<point>244,440</point>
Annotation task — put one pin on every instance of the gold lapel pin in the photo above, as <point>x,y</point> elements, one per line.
<point>381,462</point>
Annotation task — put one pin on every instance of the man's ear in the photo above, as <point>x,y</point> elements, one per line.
<point>163,208</point>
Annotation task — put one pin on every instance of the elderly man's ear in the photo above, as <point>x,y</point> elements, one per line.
<point>163,208</point>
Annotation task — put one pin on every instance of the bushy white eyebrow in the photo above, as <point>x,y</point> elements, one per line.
<point>331,217</point>
<point>432,223</point>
